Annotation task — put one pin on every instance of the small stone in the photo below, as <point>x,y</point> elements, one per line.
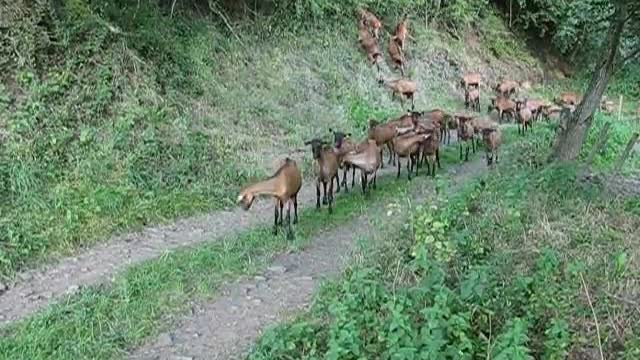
<point>3,287</point>
<point>42,296</point>
<point>257,301</point>
<point>73,288</point>
<point>25,277</point>
<point>277,269</point>
<point>178,357</point>
<point>84,269</point>
<point>259,278</point>
<point>305,278</point>
<point>165,340</point>
<point>196,335</point>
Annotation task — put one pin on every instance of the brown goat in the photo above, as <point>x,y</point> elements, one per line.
<point>524,116</point>
<point>567,98</point>
<point>492,139</point>
<point>507,88</point>
<point>342,146</point>
<point>382,134</point>
<point>431,149</point>
<point>401,33</point>
<point>465,134</point>
<point>535,106</point>
<point>551,111</point>
<point>368,159</point>
<point>504,106</point>
<point>325,167</point>
<point>370,47</point>
<point>472,99</point>
<point>445,122</point>
<point>283,186</point>
<point>408,146</point>
<point>402,88</point>
<point>396,54</point>
<point>479,123</point>
<point>471,79</point>
<point>370,20</point>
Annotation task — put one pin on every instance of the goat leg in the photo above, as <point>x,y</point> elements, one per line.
<point>281,213</point>
<point>353,176</point>
<point>317,195</point>
<point>324,195</point>
<point>398,174</point>
<point>275,222</point>
<point>392,152</point>
<point>337,178</point>
<point>289,228</point>
<point>381,162</point>
<point>438,158</point>
<point>295,208</point>
<point>344,178</point>
<point>331,196</point>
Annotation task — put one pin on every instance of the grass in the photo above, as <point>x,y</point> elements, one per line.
<point>495,269</point>
<point>104,321</point>
<point>109,132</point>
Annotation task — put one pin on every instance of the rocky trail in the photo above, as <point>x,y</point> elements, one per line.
<point>35,289</point>
<point>227,327</point>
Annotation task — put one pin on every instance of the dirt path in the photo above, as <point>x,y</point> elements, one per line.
<point>35,289</point>
<point>226,327</point>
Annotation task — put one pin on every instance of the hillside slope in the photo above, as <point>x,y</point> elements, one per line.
<point>116,116</point>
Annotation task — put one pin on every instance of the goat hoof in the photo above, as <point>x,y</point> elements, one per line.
<point>324,201</point>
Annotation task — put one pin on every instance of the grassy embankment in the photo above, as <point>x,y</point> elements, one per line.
<point>520,264</point>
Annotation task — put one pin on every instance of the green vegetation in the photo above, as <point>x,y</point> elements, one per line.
<point>103,322</point>
<point>500,269</point>
<point>116,115</point>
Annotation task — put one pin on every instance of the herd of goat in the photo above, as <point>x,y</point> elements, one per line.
<point>415,136</point>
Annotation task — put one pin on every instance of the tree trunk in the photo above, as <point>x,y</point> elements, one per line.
<point>573,133</point>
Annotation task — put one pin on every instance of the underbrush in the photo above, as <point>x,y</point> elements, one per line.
<point>523,263</point>
<point>121,116</point>
<point>619,134</point>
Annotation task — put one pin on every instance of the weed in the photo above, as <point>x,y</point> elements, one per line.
<point>494,272</point>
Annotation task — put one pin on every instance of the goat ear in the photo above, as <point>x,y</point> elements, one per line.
<point>348,134</point>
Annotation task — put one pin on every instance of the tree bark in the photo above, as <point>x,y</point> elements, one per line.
<point>573,133</point>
